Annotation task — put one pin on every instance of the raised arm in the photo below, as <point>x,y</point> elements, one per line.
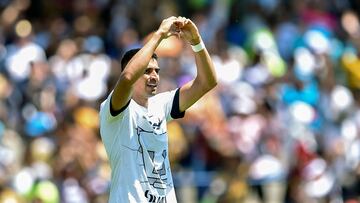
<point>205,79</point>
<point>139,62</point>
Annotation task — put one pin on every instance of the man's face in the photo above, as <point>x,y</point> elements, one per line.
<point>147,84</point>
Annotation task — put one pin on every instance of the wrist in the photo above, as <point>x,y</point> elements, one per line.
<point>198,47</point>
<point>159,34</point>
<point>195,41</point>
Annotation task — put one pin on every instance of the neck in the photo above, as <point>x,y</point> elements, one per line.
<point>142,101</point>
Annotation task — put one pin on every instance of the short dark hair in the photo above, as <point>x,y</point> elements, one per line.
<point>129,54</point>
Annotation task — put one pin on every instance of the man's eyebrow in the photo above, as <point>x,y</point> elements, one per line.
<point>154,67</point>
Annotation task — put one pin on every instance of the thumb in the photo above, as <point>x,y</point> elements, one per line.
<point>174,30</point>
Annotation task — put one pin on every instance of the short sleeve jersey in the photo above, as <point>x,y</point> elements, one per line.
<point>136,142</point>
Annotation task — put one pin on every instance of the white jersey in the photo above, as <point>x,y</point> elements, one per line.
<point>136,142</point>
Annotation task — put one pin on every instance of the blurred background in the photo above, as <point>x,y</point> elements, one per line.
<point>283,124</point>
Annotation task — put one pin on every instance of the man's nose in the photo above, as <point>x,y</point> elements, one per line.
<point>154,74</point>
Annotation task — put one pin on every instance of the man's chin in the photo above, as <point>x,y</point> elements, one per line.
<point>152,93</point>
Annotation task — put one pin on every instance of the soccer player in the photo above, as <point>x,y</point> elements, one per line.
<point>133,117</point>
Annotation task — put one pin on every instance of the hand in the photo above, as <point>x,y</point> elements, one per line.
<point>188,30</point>
<point>169,27</point>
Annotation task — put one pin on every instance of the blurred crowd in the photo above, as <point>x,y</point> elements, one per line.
<point>283,124</point>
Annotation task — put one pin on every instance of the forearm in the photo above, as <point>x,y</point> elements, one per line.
<point>205,80</point>
<point>137,65</point>
<point>206,76</point>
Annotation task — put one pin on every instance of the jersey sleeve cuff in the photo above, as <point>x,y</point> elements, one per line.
<point>175,110</point>
<point>114,112</point>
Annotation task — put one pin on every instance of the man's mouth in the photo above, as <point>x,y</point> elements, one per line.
<point>152,85</point>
